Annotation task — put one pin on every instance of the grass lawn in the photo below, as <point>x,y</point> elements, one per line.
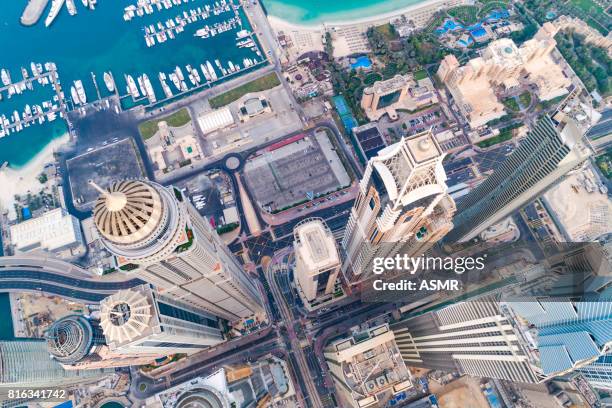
<point>387,31</point>
<point>177,119</point>
<point>260,84</point>
<point>604,162</point>
<point>525,99</point>
<point>490,6</point>
<point>505,134</point>
<point>587,5</point>
<point>422,74</point>
<point>511,104</point>
<point>467,15</point>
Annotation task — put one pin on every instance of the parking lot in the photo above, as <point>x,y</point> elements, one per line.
<point>286,174</point>
<point>105,165</point>
<point>212,195</point>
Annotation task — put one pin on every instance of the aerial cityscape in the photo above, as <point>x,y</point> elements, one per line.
<point>306,204</point>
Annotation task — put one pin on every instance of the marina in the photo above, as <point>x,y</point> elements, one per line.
<point>215,44</point>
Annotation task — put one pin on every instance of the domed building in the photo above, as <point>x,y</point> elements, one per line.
<point>155,234</point>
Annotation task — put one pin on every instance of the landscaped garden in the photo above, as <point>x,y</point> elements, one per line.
<point>177,119</point>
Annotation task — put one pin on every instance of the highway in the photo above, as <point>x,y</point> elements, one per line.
<point>56,277</point>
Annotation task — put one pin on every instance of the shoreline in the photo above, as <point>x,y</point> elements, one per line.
<point>24,179</point>
<point>383,17</point>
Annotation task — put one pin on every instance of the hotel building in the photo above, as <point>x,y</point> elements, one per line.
<point>402,206</point>
<point>158,236</point>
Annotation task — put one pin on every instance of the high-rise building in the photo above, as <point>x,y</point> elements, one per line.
<point>157,235</point>
<point>78,343</point>
<point>472,337</point>
<point>367,368</point>
<point>26,363</point>
<point>140,321</point>
<point>402,205</point>
<point>551,149</point>
<point>572,333</point>
<point>317,261</point>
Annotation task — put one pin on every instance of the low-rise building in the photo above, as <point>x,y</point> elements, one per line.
<point>504,67</point>
<point>55,232</point>
<point>402,92</point>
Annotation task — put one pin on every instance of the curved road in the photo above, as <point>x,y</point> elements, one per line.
<point>56,277</point>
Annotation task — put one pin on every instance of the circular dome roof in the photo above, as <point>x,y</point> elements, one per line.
<point>125,315</point>
<point>128,211</point>
<point>201,397</point>
<point>69,339</point>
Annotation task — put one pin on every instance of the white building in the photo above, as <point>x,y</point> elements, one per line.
<point>215,120</point>
<point>142,321</point>
<point>403,205</point>
<point>317,261</point>
<point>55,231</point>
<point>157,235</point>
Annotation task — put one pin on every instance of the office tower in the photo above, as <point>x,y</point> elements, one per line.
<point>158,236</point>
<point>78,343</point>
<point>551,149</point>
<point>402,205</point>
<point>140,320</point>
<point>472,337</point>
<point>367,368</point>
<point>317,261</point>
<point>26,363</point>
<point>572,333</point>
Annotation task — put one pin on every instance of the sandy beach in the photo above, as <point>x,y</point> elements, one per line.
<point>368,20</point>
<point>24,179</point>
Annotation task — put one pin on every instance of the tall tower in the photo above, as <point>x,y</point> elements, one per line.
<point>317,261</point>
<point>552,149</point>
<point>402,205</point>
<point>472,337</point>
<point>78,343</point>
<point>142,321</point>
<point>157,235</point>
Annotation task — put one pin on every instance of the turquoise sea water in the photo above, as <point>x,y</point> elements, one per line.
<point>310,12</point>
<point>98,41</point>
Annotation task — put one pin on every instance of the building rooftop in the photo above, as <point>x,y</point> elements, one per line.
<point>372,365</point>
<point>52,230</point>
<point>315,244</point>
<point>217,119</point>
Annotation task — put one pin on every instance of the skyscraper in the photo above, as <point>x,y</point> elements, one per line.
<point>142,321</point>
<point>472,337</point>
<point>367,368</point>
<point>158,236</point>
<point>317,261</point>
<point>26,363</point>
<point>551,149</point>
<point>78,343</point>
<point>402,205</point>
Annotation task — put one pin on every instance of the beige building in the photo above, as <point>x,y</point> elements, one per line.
<point>171,148</point>
<point>502,68</point>
<point>402,207</point>
<point>400,92</point>
<point>367,368</point>
<point>142,322</point>
<point>55,232</point>
<point>156,234</point>
<point>317,261</point>
<point>77,343</point>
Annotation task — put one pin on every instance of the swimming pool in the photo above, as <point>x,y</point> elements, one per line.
<point>449,25</point>
<point>492,399</point>
<point>362,62</point>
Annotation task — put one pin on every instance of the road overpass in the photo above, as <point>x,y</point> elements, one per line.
<point>52,276</point>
